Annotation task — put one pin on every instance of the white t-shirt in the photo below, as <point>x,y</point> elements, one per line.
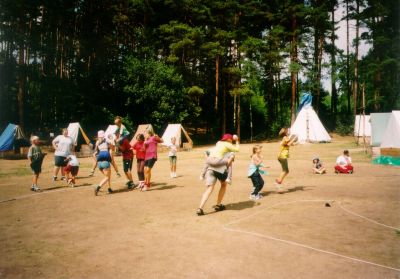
<point>73,161</point>
<point>64,145</point>
<point>343,160</point>
<point>172,150</point>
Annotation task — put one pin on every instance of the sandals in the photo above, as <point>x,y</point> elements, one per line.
<point>219,207</point>
<point>199,212</point>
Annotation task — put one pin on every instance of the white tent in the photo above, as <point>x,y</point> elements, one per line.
<point>176,130</point>
<point>362,126</point>
<point>308,127</point>
<point>142,129</point>
<point>379,122</point>
<point>110,130</point>
<point>391,137</point>
<point>73,132</point>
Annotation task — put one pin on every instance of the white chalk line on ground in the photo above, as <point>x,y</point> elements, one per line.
<point>226,227</point>
<point>67,188</point>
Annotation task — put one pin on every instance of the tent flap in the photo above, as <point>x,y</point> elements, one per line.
<point>379,123</point>
<point>391,137</point>
<point>73,132</point>
<point>362,126</point>
<point>7,137</point>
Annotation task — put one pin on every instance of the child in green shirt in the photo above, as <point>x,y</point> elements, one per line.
<point>36,157</point>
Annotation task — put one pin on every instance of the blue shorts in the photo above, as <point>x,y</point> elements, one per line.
<point>104,165</point>
<point>59,161</point>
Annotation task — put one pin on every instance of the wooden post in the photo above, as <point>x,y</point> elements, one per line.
<point>363,115</point>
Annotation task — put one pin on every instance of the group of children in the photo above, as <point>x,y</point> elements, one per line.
<point>145,150</point>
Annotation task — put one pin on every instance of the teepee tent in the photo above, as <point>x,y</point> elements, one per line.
<point>74,129</point>
<point>362,126</point>
<point>307,125</point>
<point>142,129</point>
<point>176,131</point>
<point>111,129</point>
<point>7,139</point>
<point>391,137</point>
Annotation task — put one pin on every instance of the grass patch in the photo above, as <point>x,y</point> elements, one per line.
<point>16,172</point>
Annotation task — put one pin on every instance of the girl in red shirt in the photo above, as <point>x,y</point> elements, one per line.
<point>140,152</point>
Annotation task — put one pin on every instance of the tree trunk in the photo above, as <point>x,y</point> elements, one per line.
<point>355,85</point>
<point>224,110</point>
<point>348,59</point>
<point>216,82</point>
<point>293,59</point>
<point>21,85</point>
<point>333,72</point>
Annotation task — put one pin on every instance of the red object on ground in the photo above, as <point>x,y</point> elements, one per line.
<point>345,169</point>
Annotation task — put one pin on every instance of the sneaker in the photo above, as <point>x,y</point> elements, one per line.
<point>63,178</point>
<point>118,174</point>
<point>96,190</point>
<point>258,196</point>
<point>33,188</point>
<point>229,181</point>
<point>110,191</point>
<point>172,175</point>
<point>252,197</point>
<point>130,185</point>
<point>175,175</point>
<point>145,188</point>
<point>36,188</point>
<point>54,178</point>
<point>351,172</point>
<point>91,173</point>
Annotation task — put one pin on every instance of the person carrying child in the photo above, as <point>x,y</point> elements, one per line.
<point>256,168</point>
<point>36,157</point>
<point>222,155</point>
<point>173,149</point>
<point>72,169</point>
<point>318,168</point>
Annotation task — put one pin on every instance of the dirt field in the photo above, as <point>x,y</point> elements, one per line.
<point>67,232</point>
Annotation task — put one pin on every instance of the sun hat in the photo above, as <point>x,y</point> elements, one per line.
<point>100,134</point>
<point>226,137</point>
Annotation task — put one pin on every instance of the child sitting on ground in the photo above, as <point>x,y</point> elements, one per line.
<point>72,169</point>
<point>344,164</point>
<point>256,168</point>
<point>36,157</point>
<point>318,168</point>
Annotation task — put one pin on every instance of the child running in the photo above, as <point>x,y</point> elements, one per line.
<point>103,152</point>
<point>140,152</point>
<point>151,156</point>
<point>72,169</point>
<point>255,170</point>
<point>127,159</point>
<point>284,155</point>
<point>36,157</point>
<point>172,156</point>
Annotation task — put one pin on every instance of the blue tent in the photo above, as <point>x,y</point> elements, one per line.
<point>10,134</point>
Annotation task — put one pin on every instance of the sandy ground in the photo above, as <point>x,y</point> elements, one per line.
<point>67,232</point>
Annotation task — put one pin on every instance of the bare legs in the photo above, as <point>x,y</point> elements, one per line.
<point>208,192</point>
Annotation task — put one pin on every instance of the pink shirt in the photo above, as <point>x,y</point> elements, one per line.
<point>151,148</point>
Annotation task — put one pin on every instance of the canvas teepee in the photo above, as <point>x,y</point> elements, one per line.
<point>307,125</point>
<point>142,129</point>
<point>74,130</point>
<point>176,131</point>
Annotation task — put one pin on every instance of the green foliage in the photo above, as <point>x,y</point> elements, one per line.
<point>156,93</point>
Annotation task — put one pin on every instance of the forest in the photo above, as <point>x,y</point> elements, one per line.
<point>236,66</point>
